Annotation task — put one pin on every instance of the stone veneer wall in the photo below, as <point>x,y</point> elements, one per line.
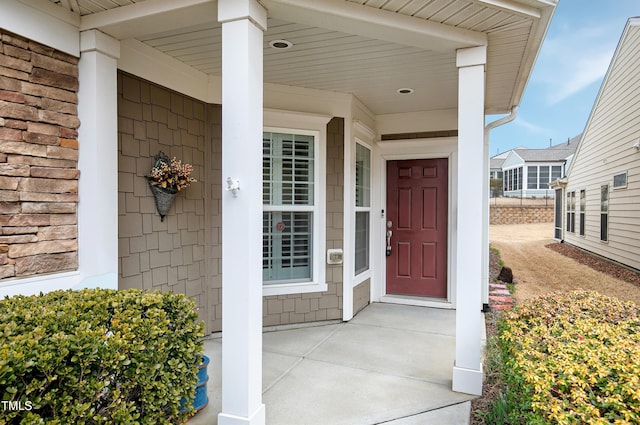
<point>521,215</point>
<point>298,308</point>
<point>38,158</point>
<point>165,255</point>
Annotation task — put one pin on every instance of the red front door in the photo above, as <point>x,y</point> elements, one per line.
<point>417,219</point>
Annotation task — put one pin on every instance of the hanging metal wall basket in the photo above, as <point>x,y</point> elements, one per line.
<point>167,178</point>
<point>164,199</point>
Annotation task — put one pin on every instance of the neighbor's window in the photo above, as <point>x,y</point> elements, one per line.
<point>363,208</point>
<point>289,208</point>
<point>513,179</point>
<point>583,206</point>
<point>532,177</point>
<point>571,212</point>
<point>544,177</point>
<point>620,181</point>
<point>604,212</point>
<point>519,184</point>
<point>556,173</point>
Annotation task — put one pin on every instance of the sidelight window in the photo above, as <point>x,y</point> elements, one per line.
<point>363,208</point>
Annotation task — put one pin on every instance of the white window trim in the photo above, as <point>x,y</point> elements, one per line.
<point>278,121</point>
<point>626,180</point>
<point>365,274</point>
<point>608,186</point>
<point>582,212</point>
<point>365,136</point>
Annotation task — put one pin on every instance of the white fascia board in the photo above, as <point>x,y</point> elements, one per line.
<point>511,7</point>
<point>314,101</point>
<point>294,119</point>
<point>150,17</point>
<point>538,34</point>
<point>347,17</point>
<point>36,23</point>
<point>55,11</point>
<point>418,122</point>
<point>553,3</point>
<point>146,62</point>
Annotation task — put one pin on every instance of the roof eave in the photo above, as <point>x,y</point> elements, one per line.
<point>534,45</point>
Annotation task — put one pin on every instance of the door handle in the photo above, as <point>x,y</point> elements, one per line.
<point>389,234</point>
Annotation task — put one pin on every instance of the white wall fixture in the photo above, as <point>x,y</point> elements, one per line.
<point>233,186</point>
<point>335,256</point>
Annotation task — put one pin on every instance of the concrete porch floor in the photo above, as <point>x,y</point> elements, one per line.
<point>391,364</point>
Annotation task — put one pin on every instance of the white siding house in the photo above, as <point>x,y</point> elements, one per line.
<point>600,204</point>
<point>528,172</point>
<point>321,133</point>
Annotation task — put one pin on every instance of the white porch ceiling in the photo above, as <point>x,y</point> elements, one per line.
<point>369,67</point>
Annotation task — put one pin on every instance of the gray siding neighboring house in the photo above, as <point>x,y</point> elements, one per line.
<point>527,172</point>
<point>599,201</point>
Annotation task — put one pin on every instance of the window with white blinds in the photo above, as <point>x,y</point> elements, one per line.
<point>289,208</point>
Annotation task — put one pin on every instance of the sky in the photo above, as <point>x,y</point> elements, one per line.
<point>567,75</point>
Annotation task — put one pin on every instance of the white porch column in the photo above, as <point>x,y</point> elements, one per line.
<point>486,189</point>
<point>467,371</point>
<point>243,24</point>
<point>98,160</point>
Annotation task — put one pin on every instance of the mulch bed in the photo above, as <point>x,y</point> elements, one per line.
<point>494,267</point>
<point>596,263</point>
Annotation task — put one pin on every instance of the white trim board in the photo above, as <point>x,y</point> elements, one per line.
<point>34,24</point>
<point>445,147</point>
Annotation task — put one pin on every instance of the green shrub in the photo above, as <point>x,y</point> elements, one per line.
<point>98,357</point>
<point>571,358</point>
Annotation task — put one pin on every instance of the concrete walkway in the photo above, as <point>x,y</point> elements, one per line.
<point>391,364</point>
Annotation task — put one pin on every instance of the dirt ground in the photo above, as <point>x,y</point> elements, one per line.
<point>539,270</point>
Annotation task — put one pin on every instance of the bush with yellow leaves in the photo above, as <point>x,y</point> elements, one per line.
<point>571,358</point>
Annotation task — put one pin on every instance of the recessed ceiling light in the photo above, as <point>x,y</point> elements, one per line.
<point>405,90</point>
<point>280,44</point>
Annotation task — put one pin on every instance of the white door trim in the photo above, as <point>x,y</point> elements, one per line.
<point>445,147</point>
